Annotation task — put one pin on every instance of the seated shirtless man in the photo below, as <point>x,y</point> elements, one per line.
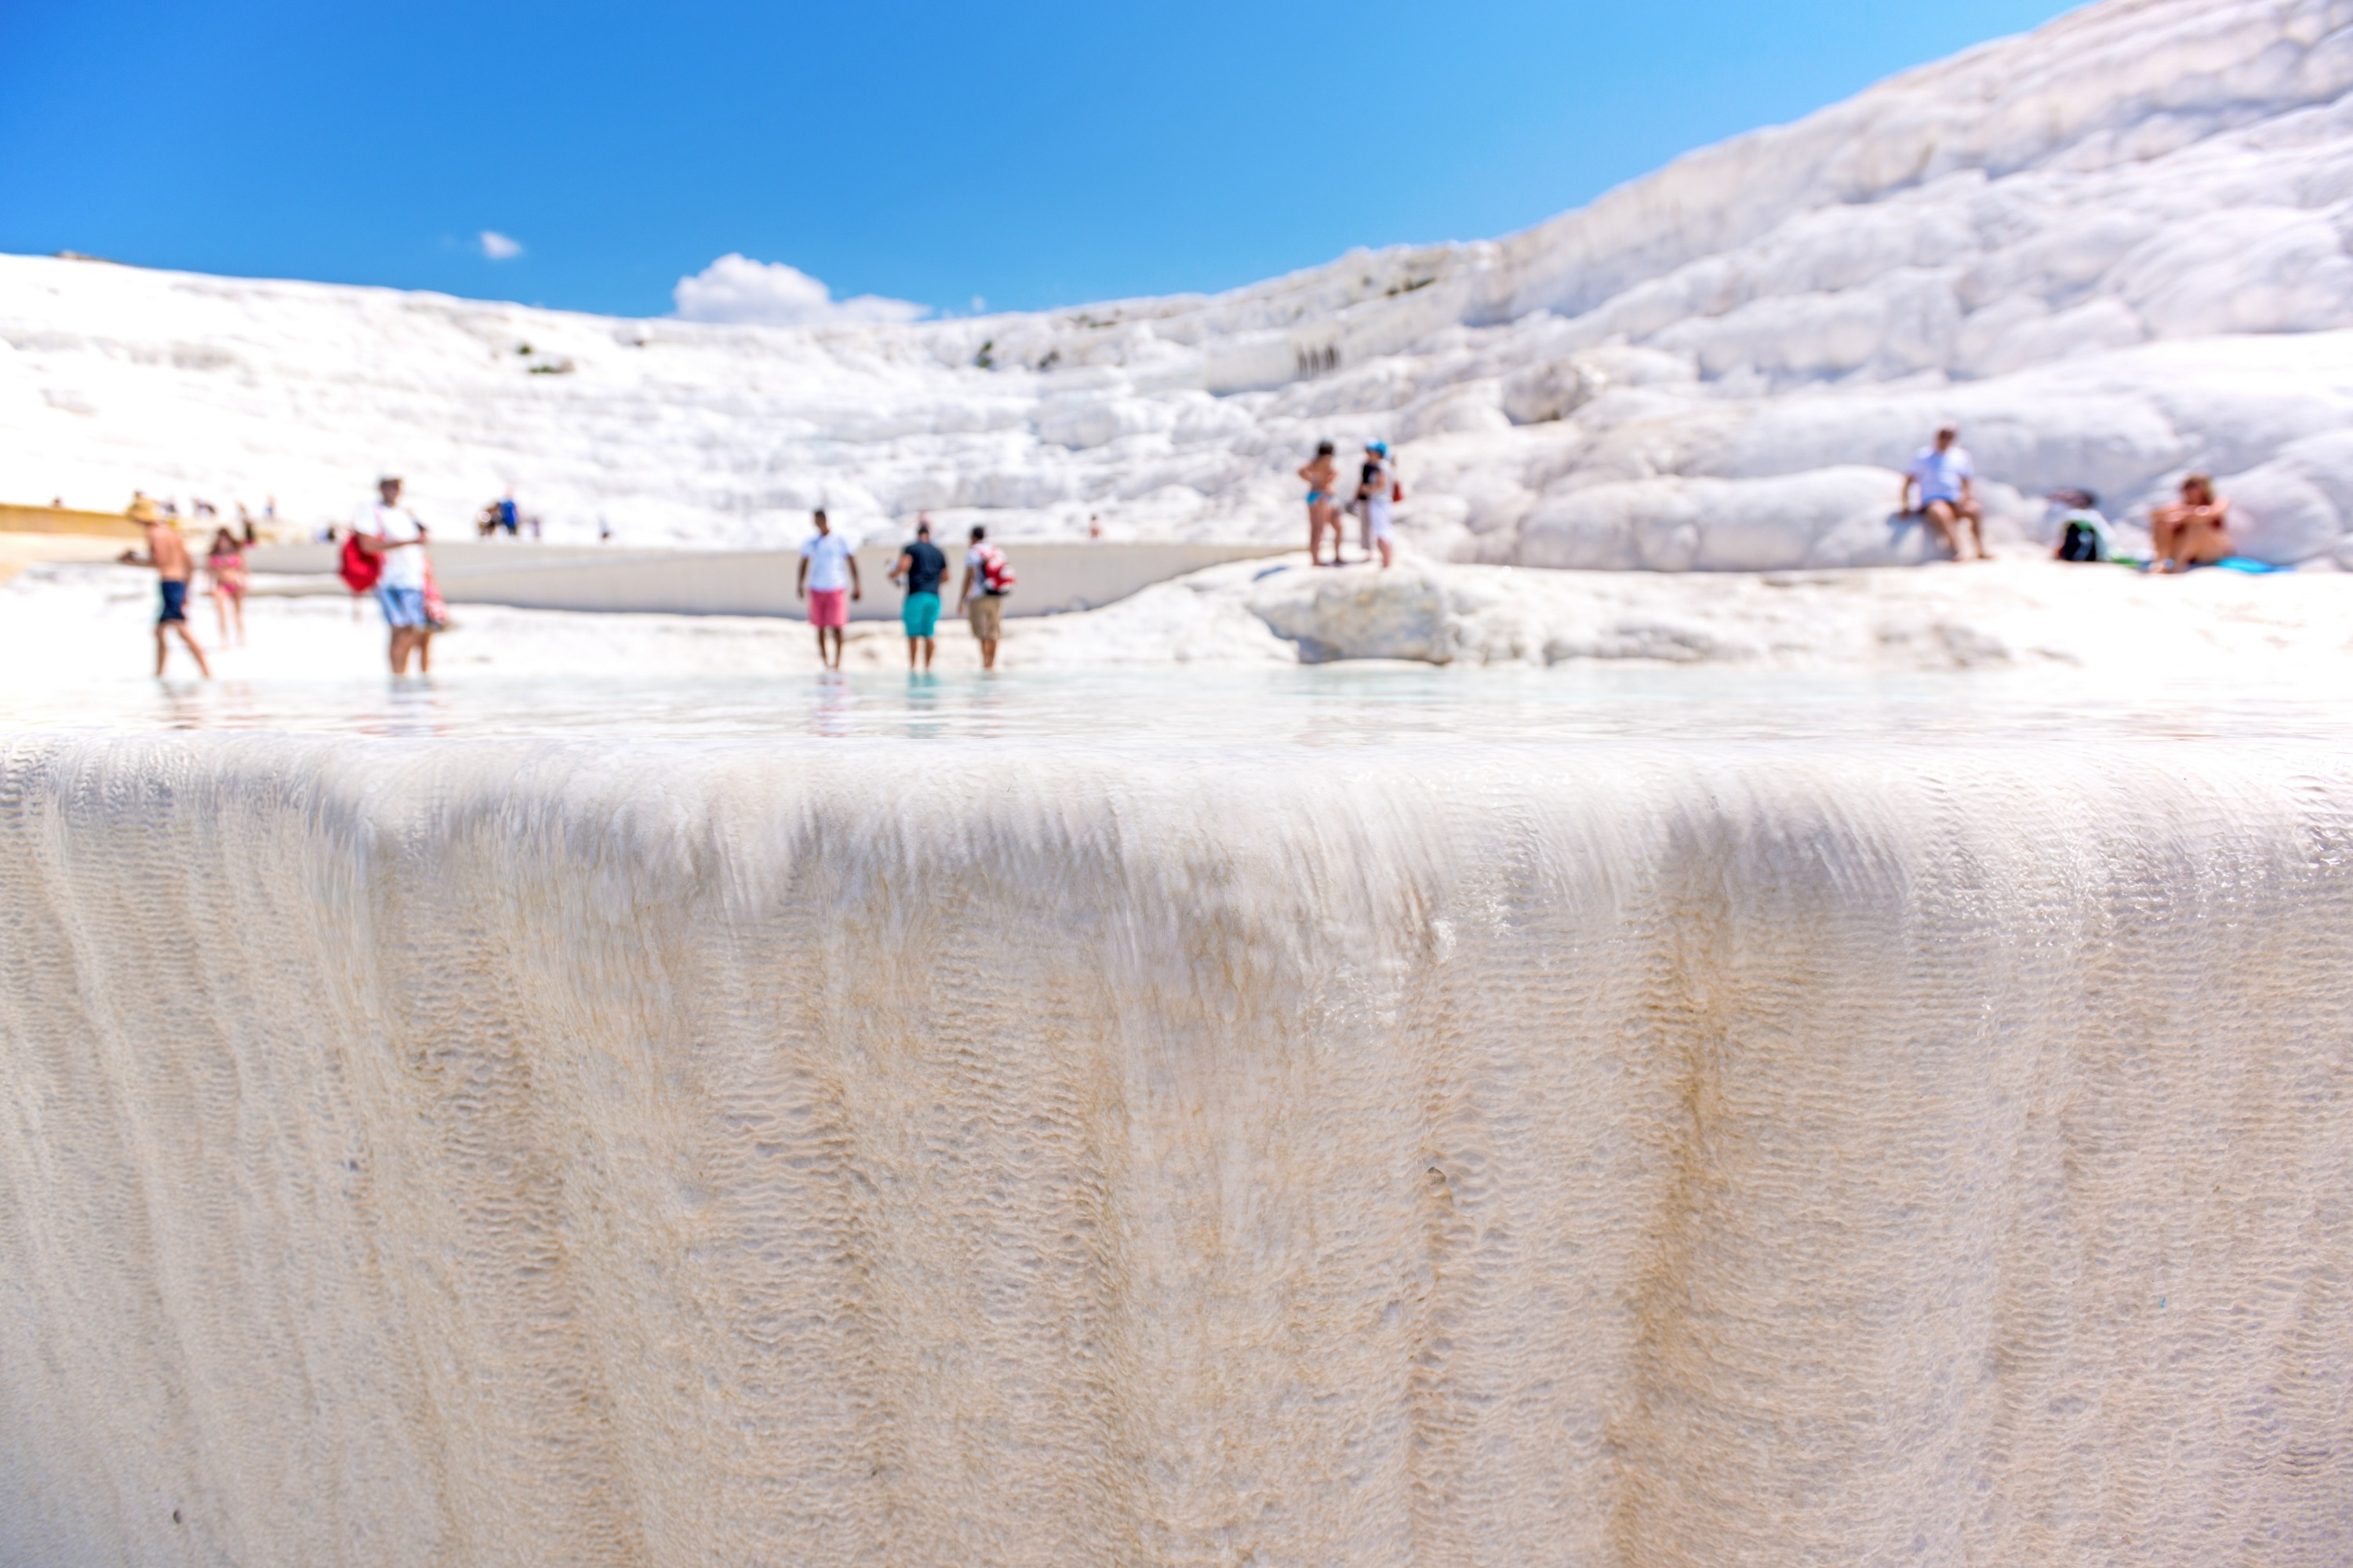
<point>2194,531</point>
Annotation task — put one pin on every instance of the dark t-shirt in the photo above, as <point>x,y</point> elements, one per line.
<point>925,567</point>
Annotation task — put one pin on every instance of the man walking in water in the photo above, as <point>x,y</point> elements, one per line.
<point>984,569</point>
<point>828,580</point>
<point>168,554</point>
<point>1949,493</point>
<point>920,568</point>
<point>389,530</point>
<point>1320,474</point>
<point>1373,495</point>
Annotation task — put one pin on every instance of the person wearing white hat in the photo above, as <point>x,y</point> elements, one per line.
<point>390,531</point>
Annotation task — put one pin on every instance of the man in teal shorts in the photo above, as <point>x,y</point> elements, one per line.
<point>921,567</point>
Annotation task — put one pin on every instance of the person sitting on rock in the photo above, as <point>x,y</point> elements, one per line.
<point>1949,496</point>
<point>2194,531</point>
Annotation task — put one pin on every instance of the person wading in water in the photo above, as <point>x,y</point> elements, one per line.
<point>167,553</point>
<point>920,568</point>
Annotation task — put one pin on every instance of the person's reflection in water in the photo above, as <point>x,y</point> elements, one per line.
<point>922,710</point>
<point>414,709</point>
<point>236,706</point>
<point>186,704</point>
<point>832,717</point>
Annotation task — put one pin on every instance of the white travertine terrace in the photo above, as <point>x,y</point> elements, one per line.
<point>2114,250</point>
<point>619,1154</point>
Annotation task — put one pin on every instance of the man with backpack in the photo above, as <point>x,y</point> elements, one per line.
<point>391,534</point>
<point>984,570</point>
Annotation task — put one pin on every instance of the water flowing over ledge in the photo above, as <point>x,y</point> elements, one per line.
<point>480,1151</point>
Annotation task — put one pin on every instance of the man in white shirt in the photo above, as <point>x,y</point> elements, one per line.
<point>829,581</point>
<point>1373,493</point>
<point>392,532</point>
<point>982,600</point>
<point>1949,496</point>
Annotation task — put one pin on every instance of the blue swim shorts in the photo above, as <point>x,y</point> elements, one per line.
<point>402,607</point>
<point>920,614</point>
<point>175,604</point>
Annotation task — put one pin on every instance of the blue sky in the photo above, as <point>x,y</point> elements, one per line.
<point>1031,155</point>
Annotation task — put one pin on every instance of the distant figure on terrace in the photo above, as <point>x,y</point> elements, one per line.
<point>1320,474</point>
<point>2194,531</point>
<point>1947,481</point>
<point>167,553</point>
<point>829,581</point>
<point>225,563</point>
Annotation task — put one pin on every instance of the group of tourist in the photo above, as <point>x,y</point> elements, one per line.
<point>385,553</point>
<point>503,516</point>
<point>176,570</point>
<point>1377,491</point>
<point>828,582</point>
<point>1940,484</point>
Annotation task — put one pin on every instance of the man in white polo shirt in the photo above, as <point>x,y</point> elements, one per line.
<point>390,531</point>
<point>829,581</point>
<point>1949,493</point>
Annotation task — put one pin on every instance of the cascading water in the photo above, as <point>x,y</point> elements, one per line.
<point>868,1152</point>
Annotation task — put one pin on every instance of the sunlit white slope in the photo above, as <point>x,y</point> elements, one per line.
<point>2113,249</point>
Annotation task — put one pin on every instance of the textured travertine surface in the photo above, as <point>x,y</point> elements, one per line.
<point>491,1152</point>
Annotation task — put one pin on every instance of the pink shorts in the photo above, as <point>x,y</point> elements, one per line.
<point>828,607</point>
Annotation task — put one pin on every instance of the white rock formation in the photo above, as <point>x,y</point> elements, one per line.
<point>2115,251</point>
<point>624,1154</point>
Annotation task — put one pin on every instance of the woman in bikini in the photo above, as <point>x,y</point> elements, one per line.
<point>2194,531</point>
<point>225,563</point>
<point>1320,474</point>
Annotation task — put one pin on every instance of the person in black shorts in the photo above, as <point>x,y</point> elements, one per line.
<point>168,554</point>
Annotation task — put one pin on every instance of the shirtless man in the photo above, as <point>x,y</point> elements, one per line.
<point>1320,474</point>
<point>2194,531</point>
<point>168,554</point>
<point>1949,493</point>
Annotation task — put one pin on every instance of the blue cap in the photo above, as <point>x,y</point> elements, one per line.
<point>1380,447</point>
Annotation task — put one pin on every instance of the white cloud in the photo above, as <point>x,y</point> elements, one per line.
<point>499,248</point>
<point>769,293</point>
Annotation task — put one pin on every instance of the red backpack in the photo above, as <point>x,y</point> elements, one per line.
<point>996,576</point>
<point>359,568</point>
